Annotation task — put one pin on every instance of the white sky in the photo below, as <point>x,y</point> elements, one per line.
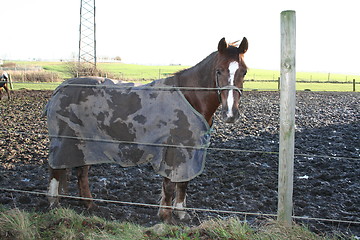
<point>186,31</point>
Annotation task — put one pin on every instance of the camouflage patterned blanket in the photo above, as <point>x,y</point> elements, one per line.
<point>98,120</point>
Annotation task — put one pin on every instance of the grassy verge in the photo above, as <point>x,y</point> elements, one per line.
<point>66,224</point>
<point>139,72</point>
<point>260,74</point>
<point>35,86</point>
<point>152,72</point>
<point>319,87</point>
<point>143,73</point>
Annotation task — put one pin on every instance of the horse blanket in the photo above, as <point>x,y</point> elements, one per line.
<point>4,79</point>
<point>99,120</point>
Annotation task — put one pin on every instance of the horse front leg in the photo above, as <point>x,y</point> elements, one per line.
<point>180,201</point>
<point>83,185</point>
<point>167,193</point>
<point>57,185</point>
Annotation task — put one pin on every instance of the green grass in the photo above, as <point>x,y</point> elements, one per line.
<point>259,74</point>
<point>249,86</point>
<point>35,86</point>
<point>121,70</point>
<point>143,73</point>
<point>333,87</point>
<point>62,223</point>
<point>337,87</point>
<point>139,72</point>
<point>61,69</point>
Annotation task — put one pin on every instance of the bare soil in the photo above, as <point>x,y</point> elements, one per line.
<point>243,177</point>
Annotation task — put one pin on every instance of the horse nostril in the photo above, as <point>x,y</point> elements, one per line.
<point>230,120</point>
<point>229,116</point>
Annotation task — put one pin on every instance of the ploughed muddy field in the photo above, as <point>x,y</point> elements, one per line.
<point>242,177</point>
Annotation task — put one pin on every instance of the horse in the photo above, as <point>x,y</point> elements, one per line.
<point>4,82</point>
<point>82,106</point>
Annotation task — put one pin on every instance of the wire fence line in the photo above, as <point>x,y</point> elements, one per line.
<point>170,145</point>
<point>143,87</point>
<point>132,86</point>
<point>352,89</point>
<point>157,72</point>
<point>219,211</point>
<point>179,146</point>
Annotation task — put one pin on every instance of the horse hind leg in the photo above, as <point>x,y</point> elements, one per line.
<point>180,201</point>
<point>167,193</point>
<point>7,92</point>
<point>57,185</point>
<point>83,185</point>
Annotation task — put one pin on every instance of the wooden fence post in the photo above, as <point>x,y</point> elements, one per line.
<point>354,88</point>
<point>279,83</point>
<point>287,117</point>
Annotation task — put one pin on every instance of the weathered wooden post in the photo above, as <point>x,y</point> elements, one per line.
<point>11,84</point>
<point>354,88</point>
<point>278,83</point>
<point>287,117</point>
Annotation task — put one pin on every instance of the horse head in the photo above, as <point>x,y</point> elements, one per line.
<point>230,70</point>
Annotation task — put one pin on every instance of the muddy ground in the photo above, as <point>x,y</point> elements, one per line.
<point>326,178</point>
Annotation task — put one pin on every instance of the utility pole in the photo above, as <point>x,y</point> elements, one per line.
<point>87,33</point>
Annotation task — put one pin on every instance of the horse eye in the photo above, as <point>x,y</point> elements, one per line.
<point>245,73</point>
<point>218,72</point>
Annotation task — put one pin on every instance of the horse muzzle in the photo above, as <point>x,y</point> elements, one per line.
<point>230,116</point>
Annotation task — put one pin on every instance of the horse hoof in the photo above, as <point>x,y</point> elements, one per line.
<point>170,221</point>
<point>166,217</point>
<point>91,206</point>
<point>183,216</point>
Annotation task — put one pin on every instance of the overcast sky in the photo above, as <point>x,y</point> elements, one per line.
<point>186,31</point>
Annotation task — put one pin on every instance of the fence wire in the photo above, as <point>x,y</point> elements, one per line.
<point>178,208</point>
<point>178,146</point>
<point>171,88</point>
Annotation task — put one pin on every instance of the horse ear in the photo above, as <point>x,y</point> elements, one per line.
<point>222,45</point>
<point>243,46</point>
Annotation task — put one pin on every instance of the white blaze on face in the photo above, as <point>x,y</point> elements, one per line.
<point>233,66</point>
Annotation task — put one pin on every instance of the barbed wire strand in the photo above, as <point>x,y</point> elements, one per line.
<point>180,146</point>
<point>176,208</point>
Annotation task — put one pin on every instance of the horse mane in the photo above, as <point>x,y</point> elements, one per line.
<point>199,64</point>
<point>208,62</point>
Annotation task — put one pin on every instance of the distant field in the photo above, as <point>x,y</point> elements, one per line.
<point>140,72</point>
<point>258,74</point>
<point>145,73</point>
<point>249,86</point>
<point>35,86</point>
